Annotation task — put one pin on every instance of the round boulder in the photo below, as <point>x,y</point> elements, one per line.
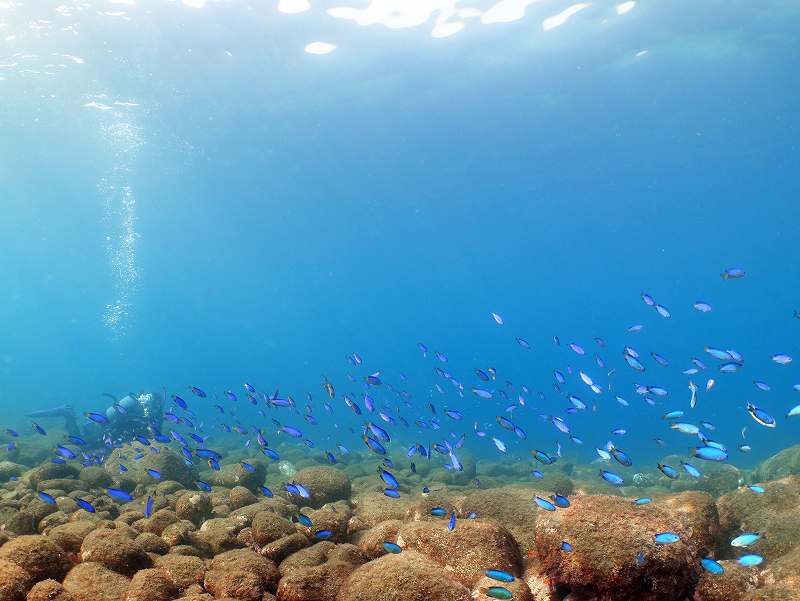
<point>325,484</point>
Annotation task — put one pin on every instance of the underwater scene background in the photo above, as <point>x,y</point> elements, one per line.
<point>410,300</point>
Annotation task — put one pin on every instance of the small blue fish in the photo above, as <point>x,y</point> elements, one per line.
<point>642,501</point>
<point>544,503</point>
<point>749,561</point>
<point>203,485</point>
<point>451,525</point>
<point>712,566</point>
<point>499,575</point>
<point>84,504</point>
<point>148,507</point>
<point>757,488</point>
<point>47,498</point>
<point>391,547</point>
<point>612,478</point>
<point>438,512</point>
<point>96,417</point>
<point>566,547</point>
<point>666,538</point>
<point>323,534</point>
<point>154,473</point>
<point>119,495</point>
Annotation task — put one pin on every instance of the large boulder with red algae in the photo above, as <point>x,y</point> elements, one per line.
<point>49,590</point>
<point>114,550</point>
<point>474,546</point>
<point>268,527</point>
<point>183,570</point>
<point>37,555</point>
<point>734,585</point>
<point>315,583</point>
<point>241,574</point>
<point>91,581</point>
<point>371,541</point>
<point>510,507</point>
<point>151,585</point>
<point>407,576</point>
<point>775,512</point>
<point>606,534</point>
<point>326,485</point>
<point>194,506</point>
<point>14,581</point>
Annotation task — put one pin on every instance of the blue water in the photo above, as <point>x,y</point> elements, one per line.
<point>198,201</point>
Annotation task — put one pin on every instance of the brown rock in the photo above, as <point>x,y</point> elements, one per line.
<point>158,521</point>
<point>92,581</point>
<point>220,533</point>
<point>733,585</point>
<point>252,563</point>
<point>268,527</point>
<point>316,583</point>
<point>183,570</point>
<point>606,534</point>
<point>407,576</point>
<point>371,541</point>
<point>510,507</point>
<point>14,581</point>
<point>372,508</point>
<point>151,543</point>
<point>48,590</point>
<point>280,549</point>
<point>240,497</point>
<point>776,512</point>
<point>698,513</point>
<point>326,485</point>
<point>474,546</point>
<point>114,550</point>
<point>151,585</point>
<point>70,536</point>
<point>194,506</point>
<point>37,555</point>
<point>178,533</point>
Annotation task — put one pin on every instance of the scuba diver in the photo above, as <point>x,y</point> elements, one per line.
<point>133,415</point>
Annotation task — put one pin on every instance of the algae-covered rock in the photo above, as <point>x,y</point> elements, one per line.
<point>114,550</point>
<point>167,462</point>
<point>407,576</point>
<point>473,546</point>
<point>37,555</point>
<point>151,585</point>
<point>776,512</point>
<point>607,534</point>
<point>782,464</point>
<point>91,581</point>
<point>14,581</point>
<point>326,485</point>
<point>48,590</point>
<point>509,507</point>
